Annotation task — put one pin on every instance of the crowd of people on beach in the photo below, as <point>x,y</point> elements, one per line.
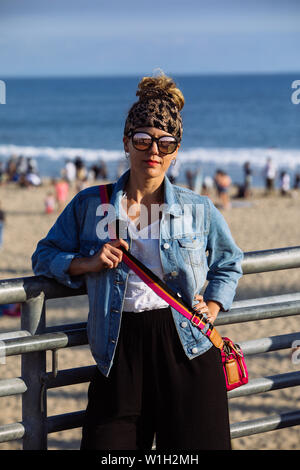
<point>271,174</point>
<point>20,170</point>
<point>75,175</point>
<point>76,172</point>
<point>23,172</point>
<point>223,185</point>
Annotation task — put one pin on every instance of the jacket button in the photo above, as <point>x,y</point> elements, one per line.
<point>184,324</point>
<point>166,246</point>
<point>194,350</point>
<point>92,252</point>
<point>174,273</point>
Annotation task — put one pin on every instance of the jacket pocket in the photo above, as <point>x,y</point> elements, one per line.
<point>192,250</point>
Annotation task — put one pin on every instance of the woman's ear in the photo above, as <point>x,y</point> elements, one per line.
<point>176,151</point>
<point>125,142</point>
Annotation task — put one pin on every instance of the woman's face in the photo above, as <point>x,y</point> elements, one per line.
<point>149,163</point>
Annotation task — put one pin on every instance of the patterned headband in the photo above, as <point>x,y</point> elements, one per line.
<point>156,109</point>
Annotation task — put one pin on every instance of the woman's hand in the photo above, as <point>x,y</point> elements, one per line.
<point>210,308</point>
<point>108,257</point>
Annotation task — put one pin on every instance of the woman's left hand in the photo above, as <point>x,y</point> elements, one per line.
<point>211,309</point>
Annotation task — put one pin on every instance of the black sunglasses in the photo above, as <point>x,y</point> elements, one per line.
<point>142,141</point>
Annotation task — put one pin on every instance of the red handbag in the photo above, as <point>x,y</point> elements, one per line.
<point>234,365</point>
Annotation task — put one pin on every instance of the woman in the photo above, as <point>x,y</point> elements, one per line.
<point>157,373</point>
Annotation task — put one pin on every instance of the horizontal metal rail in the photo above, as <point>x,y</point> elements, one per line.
<point>14,334</point>
<point>258,312</point>
<point>271,260</point>
<point>11,432</point>
<point>53,341</point>
<point>84,374</point>
<point>69,377</point>
<point>268,423</point>
<point>74,420</point>
<point>65,421</point>
<point>273,299</point>
<point>266,384</point>
<point>44,342</point>
<point>268,344</point>
<point>14,386</point>
<point>22,289</point>
<point>246,428</point>
<point>254,386</point>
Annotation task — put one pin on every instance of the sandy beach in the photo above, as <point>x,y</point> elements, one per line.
<point>265,223</point>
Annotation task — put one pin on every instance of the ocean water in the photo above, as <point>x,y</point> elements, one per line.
<point>227,119</point>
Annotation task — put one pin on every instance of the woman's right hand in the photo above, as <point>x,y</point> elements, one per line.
<point>108,257</point>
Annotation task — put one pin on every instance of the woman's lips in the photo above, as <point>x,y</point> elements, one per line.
<point>152,162</point>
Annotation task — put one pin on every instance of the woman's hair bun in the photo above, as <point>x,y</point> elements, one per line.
<point>160,86</point>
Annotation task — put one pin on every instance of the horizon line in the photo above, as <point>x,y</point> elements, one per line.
<point>135,75</point>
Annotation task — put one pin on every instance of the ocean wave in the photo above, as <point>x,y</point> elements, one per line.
<point>60,153</point>
<point>287,158</point>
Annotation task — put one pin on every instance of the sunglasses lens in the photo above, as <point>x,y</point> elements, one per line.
<point>141,141</point>
<point>167,144</point>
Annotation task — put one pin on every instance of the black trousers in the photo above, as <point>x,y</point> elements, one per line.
<point>153,388</point>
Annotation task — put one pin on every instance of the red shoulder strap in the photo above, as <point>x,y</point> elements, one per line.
<point>105,192</point>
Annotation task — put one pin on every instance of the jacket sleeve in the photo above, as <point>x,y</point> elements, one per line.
<point>54,253</point>
<point>224,261</point>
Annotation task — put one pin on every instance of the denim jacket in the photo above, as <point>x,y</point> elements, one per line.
<point>197,253</point>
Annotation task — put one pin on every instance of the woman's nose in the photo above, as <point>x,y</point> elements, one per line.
<point>154,147</point>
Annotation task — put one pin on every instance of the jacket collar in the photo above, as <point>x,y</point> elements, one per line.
<point>171,205</point>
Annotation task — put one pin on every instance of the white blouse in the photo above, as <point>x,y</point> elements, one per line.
<point>145,247</point>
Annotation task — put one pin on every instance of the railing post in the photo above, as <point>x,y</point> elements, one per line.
<point>34,413</point>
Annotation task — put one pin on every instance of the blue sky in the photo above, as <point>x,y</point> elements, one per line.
<point>95,37</point>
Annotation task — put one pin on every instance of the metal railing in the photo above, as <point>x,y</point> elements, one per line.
<point>34,339</point>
